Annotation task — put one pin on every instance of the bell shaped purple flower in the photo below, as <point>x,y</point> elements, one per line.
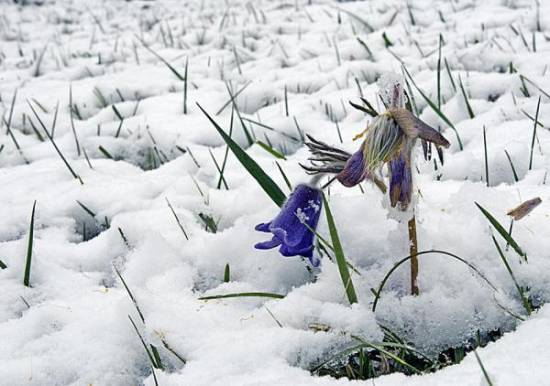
<point>292,227</point>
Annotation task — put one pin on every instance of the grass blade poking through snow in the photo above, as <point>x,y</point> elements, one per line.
<point>439,72</point>
<point>166,63</point>
<point>274,152</point>
<point>485,374</point>
<point>486,157</point>
<point>185,86</point>
<point>378,292</point>
<point>512,166</point>
<point>468,106</point>
<point>244,295</point>
<point>2,265</point>
<point>177,219</point>
<point>267,184</point>
<point>534,136</point>
<point>156,361</point>
<point>339,254</point>
<point>26,279</point>
<point>152,359</point>
<point>76,176</point>
<point>500,229</point>
<point>227,274</point>
<point>524,298</point>
<point>287,181</point>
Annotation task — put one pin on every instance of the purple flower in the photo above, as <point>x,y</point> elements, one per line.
<point>292,227</point>
<point>400,181</point>
<point>390,140</point>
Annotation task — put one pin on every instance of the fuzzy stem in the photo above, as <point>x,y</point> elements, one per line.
<point>413,248</point>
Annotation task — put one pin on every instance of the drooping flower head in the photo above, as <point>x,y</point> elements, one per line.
<point>293,227</point>
<point>389,140</point>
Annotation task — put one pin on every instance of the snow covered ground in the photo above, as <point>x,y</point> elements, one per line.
<point>135,150</point>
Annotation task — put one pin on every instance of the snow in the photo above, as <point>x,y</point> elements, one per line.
<point>71,326</point>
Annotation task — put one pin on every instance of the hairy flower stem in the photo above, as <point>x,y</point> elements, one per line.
<point>397,99</point>
<point>413,248</point>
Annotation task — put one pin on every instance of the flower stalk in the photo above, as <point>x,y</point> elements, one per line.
<point>389,140</point>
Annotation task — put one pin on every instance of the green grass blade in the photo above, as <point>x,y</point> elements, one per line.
<point>439,72</point>
<point>236,108</point>
<point>512,166</point>
<point>76,176</point>
<point>149,355</point>
<point>267,184</point>
<point>486,156</point>
<point>177,219</point>
<point>465,96</point>
<point>2,265</point>
<point>244,295</point>
<point>105,152</point>
<point>339,254</point>
<point>524,299</point>
<point>166,63</point>
<point>226,274</point>
<point>27,278</point>
<point>534,135</point>
<point>485,374</point>
<point>185,85</point>
<point>378,292</point>
<point>86,209</point>
<point>500,229</point>
<point>274,152</point>
<point>134,301</point>
<point>219,169</point>
<point>285,178</point>
<point>71,114</point>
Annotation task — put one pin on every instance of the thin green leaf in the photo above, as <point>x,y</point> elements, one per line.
<point>267,184</point>
<point>274,152</point>
<point>521,293</point>
<point>512,166</point>
<point>500,229</point>
<point>177,219</point>
<point>105,152</point>
<point>76,176</point>
<point>26,279</point>
<point>166,63</point>
<point>339,254</point>
<point>226,274</point>
<point>378,292</point>
<point>534,135</point>
<point>244,295</point>
<point>485,374</point>
<point>285,178</point>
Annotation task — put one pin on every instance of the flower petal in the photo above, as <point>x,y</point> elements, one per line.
<point>355,171</point>
<point>400,181</point>
<point>274,242</point>
<point>303,205</point>
<point>415,128</point>
<point>263,227</point>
